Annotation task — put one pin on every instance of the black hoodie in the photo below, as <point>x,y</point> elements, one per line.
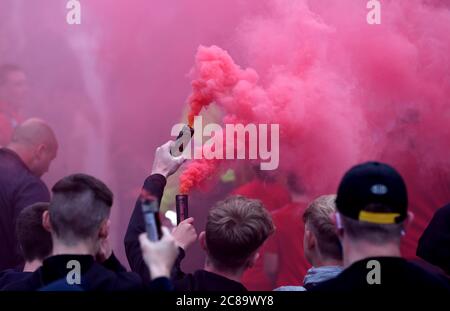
<point>434,244</point>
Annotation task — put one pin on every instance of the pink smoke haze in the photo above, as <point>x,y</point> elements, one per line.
<point>343,91</point>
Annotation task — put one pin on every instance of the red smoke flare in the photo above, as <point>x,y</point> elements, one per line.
<point>344,91</point>
<point>196,172</point>
<point>217,76</point>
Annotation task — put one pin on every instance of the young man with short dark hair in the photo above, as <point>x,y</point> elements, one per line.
<point>34,240</point>
<point>235,229</point>
<point>78,218</point>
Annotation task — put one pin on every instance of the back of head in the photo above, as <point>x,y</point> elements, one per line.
<point>33,132</point>
<point>36,144</point>
<point>373,203</point>
<point>34,240</point>
<point>79,205</point>
<point>318,218</point>
<point>235,229</point>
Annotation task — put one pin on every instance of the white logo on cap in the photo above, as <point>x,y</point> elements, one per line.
<point>379,189</point>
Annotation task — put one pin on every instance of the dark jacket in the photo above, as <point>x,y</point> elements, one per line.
<point>434,244</point>
<point>202,280</point>
<point>395,274</point>
<point>19,188</point>
<point>11,276</point>
<point>154,185</point>
<point>205,281</point>
<point>109,276</point>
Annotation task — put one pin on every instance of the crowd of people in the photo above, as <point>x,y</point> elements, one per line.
<point>350,239</point>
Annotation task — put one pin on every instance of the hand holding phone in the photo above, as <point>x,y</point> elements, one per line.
<point>150,209</point>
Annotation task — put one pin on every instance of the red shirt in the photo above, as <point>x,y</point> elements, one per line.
<point>254,278</point>
<point>287,243</point>
<point>273,196</point>
<point>8,121</point>
<point>427,182</point>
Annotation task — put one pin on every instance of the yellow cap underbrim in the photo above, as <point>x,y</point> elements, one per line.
<point>378,218</point>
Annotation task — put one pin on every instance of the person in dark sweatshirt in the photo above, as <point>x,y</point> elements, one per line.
<point>235,230</point>
<point>164,165</point>
<point>78,218</point>
<point>434,244</point>
<point>34,240</point>
<point>372,216</point>
<point>22,163</point>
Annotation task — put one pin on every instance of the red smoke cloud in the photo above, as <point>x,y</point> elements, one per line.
<point>343,91</point>
<point>217,80</point>
<point>217,76</point>
<point>197,172</point>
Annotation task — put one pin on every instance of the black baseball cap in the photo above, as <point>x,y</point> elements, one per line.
<point>373,192</point>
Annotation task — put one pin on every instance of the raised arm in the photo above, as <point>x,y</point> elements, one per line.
<point>164,165</point>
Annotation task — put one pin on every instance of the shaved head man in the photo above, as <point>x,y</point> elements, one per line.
<point>35,143</point>
<point>26,158</point>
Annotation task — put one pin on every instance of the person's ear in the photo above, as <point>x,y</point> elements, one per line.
<point>253,259</point>
<point>46,221</point>
<point>410,218</point>
<point>407,222</point>
<point>338,223</point>
<point>310,239</point>
<point>104,229</point>
<point>40,150</point>
<point>202,239</point>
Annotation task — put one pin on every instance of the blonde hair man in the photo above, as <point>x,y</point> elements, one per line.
<point>321,245</point>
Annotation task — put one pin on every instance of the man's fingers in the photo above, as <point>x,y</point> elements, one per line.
<point>189,220</point>
<point>165,232</point>
<point>168,144</point>
<point>143,239</point>
<point>180,159</point>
